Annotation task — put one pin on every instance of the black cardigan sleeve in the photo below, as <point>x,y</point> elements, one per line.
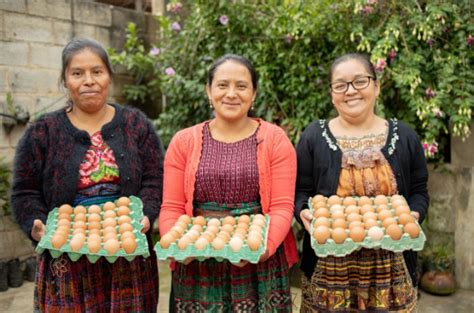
<point>26,199</point>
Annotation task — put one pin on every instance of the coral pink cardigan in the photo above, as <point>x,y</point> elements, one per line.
<point>276,160</point>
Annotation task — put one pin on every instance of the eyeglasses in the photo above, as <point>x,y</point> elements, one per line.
<point>358,84</point>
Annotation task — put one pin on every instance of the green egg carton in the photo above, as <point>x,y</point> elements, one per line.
<point>349,246</point>
<point>226,253</point>
<point>136,215</point>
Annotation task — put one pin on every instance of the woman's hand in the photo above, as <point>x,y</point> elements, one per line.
<point>146,224</point>
<point>241,263</point>
<point>306,217</point>
<point>415,215</point>
<point>264,256</point>
<point>38,230</point>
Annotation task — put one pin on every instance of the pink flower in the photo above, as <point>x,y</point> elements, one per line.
<point>109,158</point>
<point>176,27</point>
<point>154,51</point>
<point>367,10</point>
<point>425,146</point>
<point>224,20</point>
<point>372,1</point>
<point>174,7</point>
<point>380,66</point>
<point>437,112</point>
<point>433,149</point>
<point>470,40</point>
<point>90,164</point>
<point>170,71</point>
<point>392,55</point>
<point>288,38</point>
<point>430,93</point>
<point>97,140</point>
<point>430,42</point>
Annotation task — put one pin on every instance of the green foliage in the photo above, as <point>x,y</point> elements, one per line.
<point>422,50</point>
<point>5,173</point>
<point>438,257</point>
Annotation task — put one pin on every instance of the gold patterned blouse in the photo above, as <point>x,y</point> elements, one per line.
<point>364,169</point>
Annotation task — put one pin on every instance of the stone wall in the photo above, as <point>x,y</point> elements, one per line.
<point>32,36</point>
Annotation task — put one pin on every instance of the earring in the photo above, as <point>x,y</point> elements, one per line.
<point>210,104</point>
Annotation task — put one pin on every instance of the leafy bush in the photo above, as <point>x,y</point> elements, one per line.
<point>422,51</point>
<point>5,173</point>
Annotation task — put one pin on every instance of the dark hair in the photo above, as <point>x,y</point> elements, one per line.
<point>77,45</point>
<point>236,58</point>
<point>364,59</point>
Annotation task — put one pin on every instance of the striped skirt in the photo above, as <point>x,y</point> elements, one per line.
<point>372,280</point>
<point>122,286</point>
<point>213,286</point>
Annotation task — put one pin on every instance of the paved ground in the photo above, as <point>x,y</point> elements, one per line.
<point>18,300</point>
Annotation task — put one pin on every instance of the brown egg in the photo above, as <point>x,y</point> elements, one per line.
<point>396,197</point>
<point>349,201</point>
<point>382,207</point>
<point>254,233</point>
<point>124,219</point>
<point>64,230</point>
<point>93,237</point>
<point>321,212</point>
<point>398,202</point>
<point>218,243</point>
<point>128,245</point>
<point>171,232</point>
<point>94,209</point>
<point>401,210</point>
<point>383,214</point>
<point>123,201</point>
<point>94,217</point>
<point>352,217</point>
<point>357,233</point>
<point>227,228</point>
<point>79,231</point>
<point>94,231</point>
<point>352,209</point>
<point>256,228</point>
<point>76,243</point>
<point>366,208</point>
<point>412,229</point>
<point>319,205</point>
<point>364,200</point>
<point>259,217</point>
<point>94,244</point>
<point>214,222</point>
<point>109,229</point>
<point>236,243</point>
<point>183,242</point>
<point>355,223</point>
<point>322,221</point>
<point>239,230</point>
<point>64,216</point>
<point>192,234</point>
<point>394,231</point>
<point>213,229</point>
<point>224,236</point>
<point>58,240</point>
<point>186,219</point>
<point>338,235</point>
<point>380,199</point>
<point>336,207</point>
<point>405,218</point>
<point>178,229</point>
<point>334,200</point>
<point>80,217</point>
<point>165,241</point>
<point>199,220</point>
<point>254,242</point>
<point>338,214</point>
<point>375,233</point>
<point>126,227</point>
<point>79,224</point>
<point>240,235</point>
<point>109,206</point>
<point>259,222</point>
<point>64,222</point>
<point>369,216</point>
<point>388,221</point>
<point>181,224</point>
<point>318,198</point>
<point>201,243</point>
<point>65,208</point>
<point>339,223</point>
<point>110,236</point>
<point>243,219</point>
<point>93,225</point>
<point>197,228</point>
<point>370,223</point>
<point>321,234</point>
<point>80,209</point>
<point>228,220</point>
<point>129,234</point>
<point>109,221</point>
<point>243,225</point>
<point>123,210</point>
<point>109,214</point>
<point>112,246</point>
<point>208,236</point>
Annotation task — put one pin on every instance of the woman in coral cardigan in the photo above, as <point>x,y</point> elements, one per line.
<point>232,165</point>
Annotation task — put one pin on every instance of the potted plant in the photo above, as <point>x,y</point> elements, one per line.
<point>438,277</point>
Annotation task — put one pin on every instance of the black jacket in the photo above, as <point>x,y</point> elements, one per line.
<point>319,165</point>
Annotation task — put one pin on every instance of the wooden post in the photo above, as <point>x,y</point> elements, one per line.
<point>158,7</point>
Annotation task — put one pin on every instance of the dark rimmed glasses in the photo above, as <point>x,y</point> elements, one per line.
<point>358,84</point>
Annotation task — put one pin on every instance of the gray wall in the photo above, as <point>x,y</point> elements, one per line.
<point>32,35</point>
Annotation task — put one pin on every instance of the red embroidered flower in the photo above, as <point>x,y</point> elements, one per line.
<point>90,164</point>
<point>97,140</point>
<point>109,158</point>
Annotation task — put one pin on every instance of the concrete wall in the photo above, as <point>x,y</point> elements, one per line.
<point>451,212</point>
<point>32,36</point>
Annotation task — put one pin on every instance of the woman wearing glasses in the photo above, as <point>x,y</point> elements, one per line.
<point>359,154</point>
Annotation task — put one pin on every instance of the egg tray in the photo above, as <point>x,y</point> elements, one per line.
<point>225,253</point>
<point>136,214</point>
<point>349,246</point>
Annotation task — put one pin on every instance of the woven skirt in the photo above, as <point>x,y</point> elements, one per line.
<point>213,286</point>
<point>369,280</point>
